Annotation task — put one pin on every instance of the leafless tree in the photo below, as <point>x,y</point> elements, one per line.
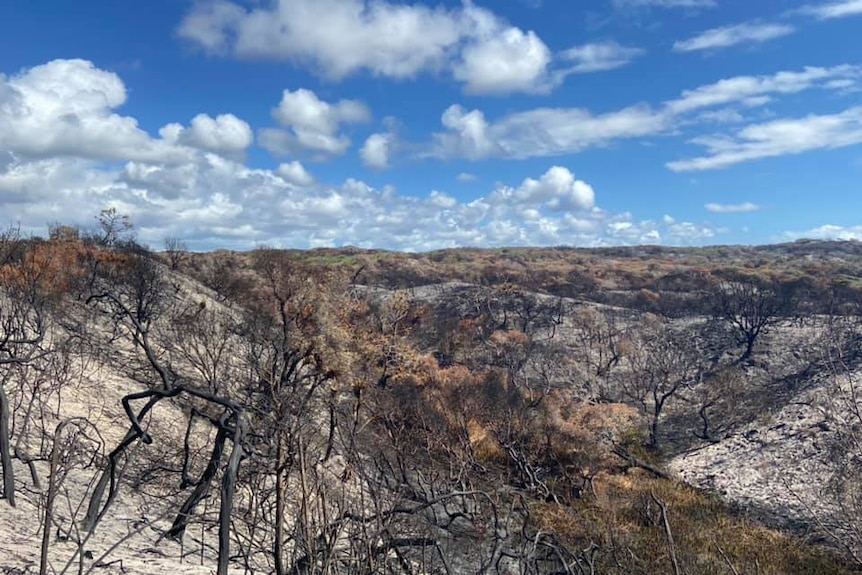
<point>37,400</point>
<point>23,331</point>
<point>113,228</point>
<point>204,337</point>
<point>130,288</point>
<point>661,364</point>
<point>599,338</point>
<point>286,353</point>
<point>177,252</point>
<point>716,399</point>
<point>750,307</point>
<point>76,443</point>
<point>835,508</point>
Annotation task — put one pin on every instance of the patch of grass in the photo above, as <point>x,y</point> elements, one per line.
<point>626,521</point>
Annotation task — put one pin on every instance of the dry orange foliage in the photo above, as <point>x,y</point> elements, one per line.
<point>51,267</point>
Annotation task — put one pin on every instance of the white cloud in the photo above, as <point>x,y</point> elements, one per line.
<point>255,206</point>
<point>777,138</point>
<point>721,116</point>
<point>755,90</point>
<point>375,152</point>
<point>279,142</point>
<point>832,10</point>
<point>295,173</point>
<point>553,131</point>
<point>193,184</point>
<point>745,207</point>
<point>311,124</point>
<point>843,85</point>
<point>727,36</point>
<point>505,61</point>
<point>600,56</point>
<point>50,189</point>
<point>303,110</point>
<point>338,38</point>
<point>65,108</point>
<point>558,190</point>
<point>467,177</point>
<point>688,233</point>
<point>540,132</point>
<point>210,24</point>
<point>624,229</point>
<point>442,200</point>
<point>224,134</point>
<point>466,135</point>
<point>826,232</point>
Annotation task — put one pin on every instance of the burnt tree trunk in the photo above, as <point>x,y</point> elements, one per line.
<point>178,528</point>
<point>95,510</point>
<point>6,449</point>
<point>749,346</point>
<point>280,488</point>
<point>227,491</point>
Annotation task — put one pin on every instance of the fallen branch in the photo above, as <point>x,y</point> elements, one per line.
<point>633,461</point>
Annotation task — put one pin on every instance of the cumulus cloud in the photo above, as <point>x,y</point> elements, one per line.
<point>192,182</point>
<point>466,136</point>
<point>223,134</point>
<point>832,10</point>
<point>338,38</point>
<point>745,207</point>
<point>501,59</point>
<point>294,172</point>
<point>375,151</point>
<point>727,36</point>
<point>557,190</point>
<point>65,108</point>
<point>600,56</point>
<point>776,138</point>
<point>210,24</point>
<point>49,189</point>
<point>254,206</point>
<point>309,123</point>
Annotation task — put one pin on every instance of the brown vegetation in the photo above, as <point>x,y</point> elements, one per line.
<point>340,421</point>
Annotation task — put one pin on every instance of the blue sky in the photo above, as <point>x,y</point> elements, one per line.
<point>420,125</point>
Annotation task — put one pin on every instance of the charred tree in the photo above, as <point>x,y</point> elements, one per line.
<point>751,308</point>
